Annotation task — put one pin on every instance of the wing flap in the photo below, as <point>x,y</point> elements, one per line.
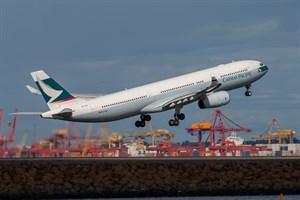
<point>186,99</point>
<point>183,99</point>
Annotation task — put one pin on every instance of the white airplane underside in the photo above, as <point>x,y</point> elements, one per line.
<point>209,87</point>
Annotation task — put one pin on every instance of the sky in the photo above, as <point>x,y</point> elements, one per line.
<point>105,46</point>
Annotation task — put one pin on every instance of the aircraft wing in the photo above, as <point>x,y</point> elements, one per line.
<point>172,101</point>
<point>77,95</point>
<point>186,99</point>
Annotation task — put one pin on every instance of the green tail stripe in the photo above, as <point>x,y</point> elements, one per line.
<point>54,85</point>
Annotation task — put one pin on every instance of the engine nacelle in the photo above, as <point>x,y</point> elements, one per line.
<point>214,100</point>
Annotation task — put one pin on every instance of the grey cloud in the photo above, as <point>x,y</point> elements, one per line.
<point>258,29</point>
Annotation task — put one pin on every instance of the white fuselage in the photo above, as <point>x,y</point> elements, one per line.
<point>149,98</point>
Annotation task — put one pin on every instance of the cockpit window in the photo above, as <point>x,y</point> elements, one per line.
<point>262,68</point>
<point>261,64</point>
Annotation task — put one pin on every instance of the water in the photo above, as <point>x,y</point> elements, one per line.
<point>269,197</point>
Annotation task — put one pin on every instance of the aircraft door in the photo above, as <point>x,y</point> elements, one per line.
<point>150,94</point>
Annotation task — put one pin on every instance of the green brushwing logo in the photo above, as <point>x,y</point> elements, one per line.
<point>52,91</point>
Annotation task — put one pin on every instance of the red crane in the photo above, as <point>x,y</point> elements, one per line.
<point>10,139</point>
<point>217,123</point>
<point>13,128</point>
<point>1,136</point>
<point>1,112</point>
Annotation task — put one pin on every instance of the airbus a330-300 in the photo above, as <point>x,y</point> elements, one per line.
<point>208,87</point>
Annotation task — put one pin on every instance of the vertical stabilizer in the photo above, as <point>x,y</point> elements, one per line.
<point>53,93</point>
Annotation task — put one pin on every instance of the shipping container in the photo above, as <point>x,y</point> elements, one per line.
<point>195,154</point>
<point>287,153</point>
<point>278,153</point>
<point>238,153</point>
<point>229,153</point>
<point>265,153</point>
<point>276,147</point>
<point>246,153</point>
<point>284,148</point>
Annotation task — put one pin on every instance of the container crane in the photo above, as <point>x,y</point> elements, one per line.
<point>62,138</point>
<point>21,146</point>
<point>1,113</point>
<point>280,134</point>
<point>163,133</point>
<point>218,123</point>
<point>86,142</point>
<point>12,126</point>
<point>1,136</point>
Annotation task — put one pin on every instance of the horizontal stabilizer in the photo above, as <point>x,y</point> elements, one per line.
<point>33,90</point>
<point>26,113</point>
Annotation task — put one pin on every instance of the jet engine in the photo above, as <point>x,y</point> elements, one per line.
<point>214,100</point>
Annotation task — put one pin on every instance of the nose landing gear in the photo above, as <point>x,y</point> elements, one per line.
<point>248,93</point>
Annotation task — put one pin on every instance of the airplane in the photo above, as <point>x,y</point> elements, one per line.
<point>209,87</point>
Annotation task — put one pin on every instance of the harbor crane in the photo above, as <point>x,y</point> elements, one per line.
<point>12,126</point>
<point>280,134</point>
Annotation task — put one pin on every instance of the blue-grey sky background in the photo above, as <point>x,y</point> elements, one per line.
<point>106,46</point>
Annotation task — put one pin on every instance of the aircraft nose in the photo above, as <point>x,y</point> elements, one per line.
<point>263,68</point>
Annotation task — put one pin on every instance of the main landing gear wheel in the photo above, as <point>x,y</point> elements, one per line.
<point>177,116</point>
<point>180,116</point>
<point>248,93</point>
<point>142,123</point>
<point>173,122</point>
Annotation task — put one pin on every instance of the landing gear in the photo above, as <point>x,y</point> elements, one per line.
<point>177,116</point>
<point>173,122</point>
<point>248,93</point>
<point>180,116</point>
<point>142,122</point>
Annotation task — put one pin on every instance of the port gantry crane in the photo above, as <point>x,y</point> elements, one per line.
<point>62,142</point>
<point>280,134</point>
<point>219,124</point>
<point>10,139</point>
<point>114,140</point>
<point>63,138</point>
<point>21,147</point>
<point>164,134</point>
<point>215,125</point>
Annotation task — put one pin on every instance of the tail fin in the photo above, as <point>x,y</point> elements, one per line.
<point>53,93</point>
